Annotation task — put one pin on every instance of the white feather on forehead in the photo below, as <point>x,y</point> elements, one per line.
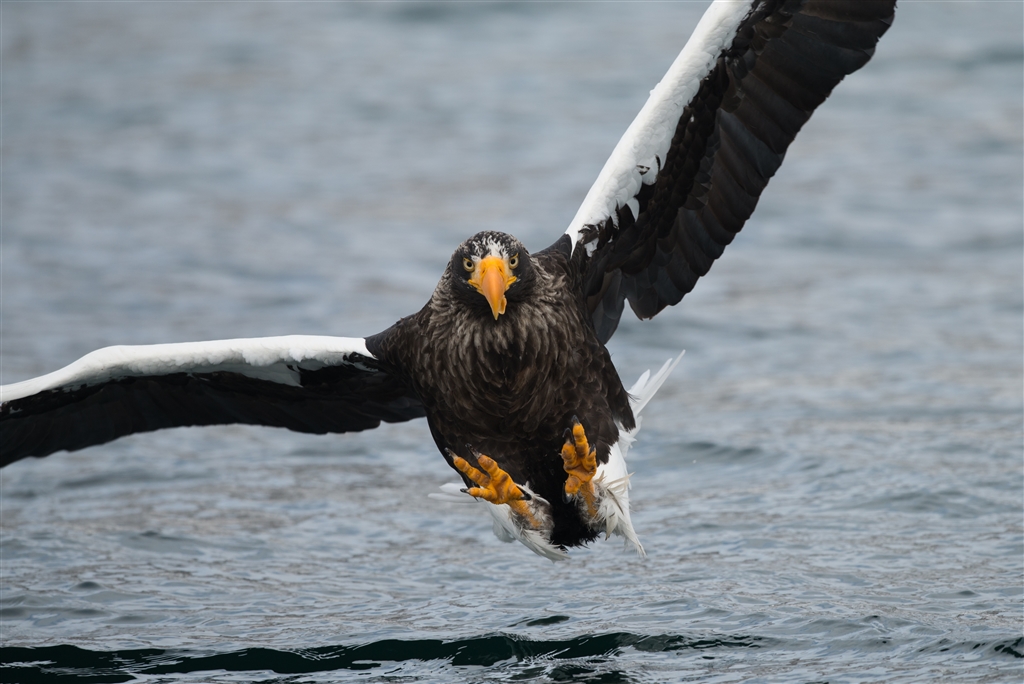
<point>495,248</point>
<point>493,244</point>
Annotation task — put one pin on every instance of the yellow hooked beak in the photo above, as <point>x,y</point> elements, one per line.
<point>491,278</point>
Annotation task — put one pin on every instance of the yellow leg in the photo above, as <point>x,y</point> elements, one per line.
<point>579,460</point>
<point>494,485</point>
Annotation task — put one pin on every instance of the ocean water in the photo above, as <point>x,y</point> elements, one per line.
<point>830,487</point>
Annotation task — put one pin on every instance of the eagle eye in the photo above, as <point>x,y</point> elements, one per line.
<point>467,264</point>
<point>514,261</point>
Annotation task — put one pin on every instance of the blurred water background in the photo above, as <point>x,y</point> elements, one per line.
<point>829,487</point>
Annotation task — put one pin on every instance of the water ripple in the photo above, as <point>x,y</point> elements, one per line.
<point>71,663</point>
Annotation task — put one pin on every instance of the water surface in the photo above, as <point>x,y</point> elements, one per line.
<point>829,487</point>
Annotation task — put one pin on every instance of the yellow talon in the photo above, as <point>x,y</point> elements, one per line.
<point>579,460</point>
<point>494,485</point>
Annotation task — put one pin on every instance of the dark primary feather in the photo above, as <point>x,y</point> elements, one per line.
<point>786,58</point>
<point>340,398</point>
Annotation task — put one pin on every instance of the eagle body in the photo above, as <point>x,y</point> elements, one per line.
<point>507,359</point>
<point>531,371</point>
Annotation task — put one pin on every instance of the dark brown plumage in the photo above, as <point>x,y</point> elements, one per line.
<point>509,388</point>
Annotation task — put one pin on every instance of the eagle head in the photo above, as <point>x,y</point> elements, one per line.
<point>489,270</point>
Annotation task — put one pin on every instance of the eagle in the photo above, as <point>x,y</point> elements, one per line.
<point>507,359</point>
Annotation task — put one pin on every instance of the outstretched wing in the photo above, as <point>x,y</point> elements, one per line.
<point>304,383</point>
<point>689,170</point>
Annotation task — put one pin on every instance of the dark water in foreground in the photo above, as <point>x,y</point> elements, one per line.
<point>830,487</point>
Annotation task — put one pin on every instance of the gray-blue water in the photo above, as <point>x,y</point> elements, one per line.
<point>830,486</point>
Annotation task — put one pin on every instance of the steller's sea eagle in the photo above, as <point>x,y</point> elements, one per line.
<point>507,360</point>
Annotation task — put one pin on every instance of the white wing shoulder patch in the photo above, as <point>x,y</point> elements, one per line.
<point>638,156</point>
<point>276,359</point>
